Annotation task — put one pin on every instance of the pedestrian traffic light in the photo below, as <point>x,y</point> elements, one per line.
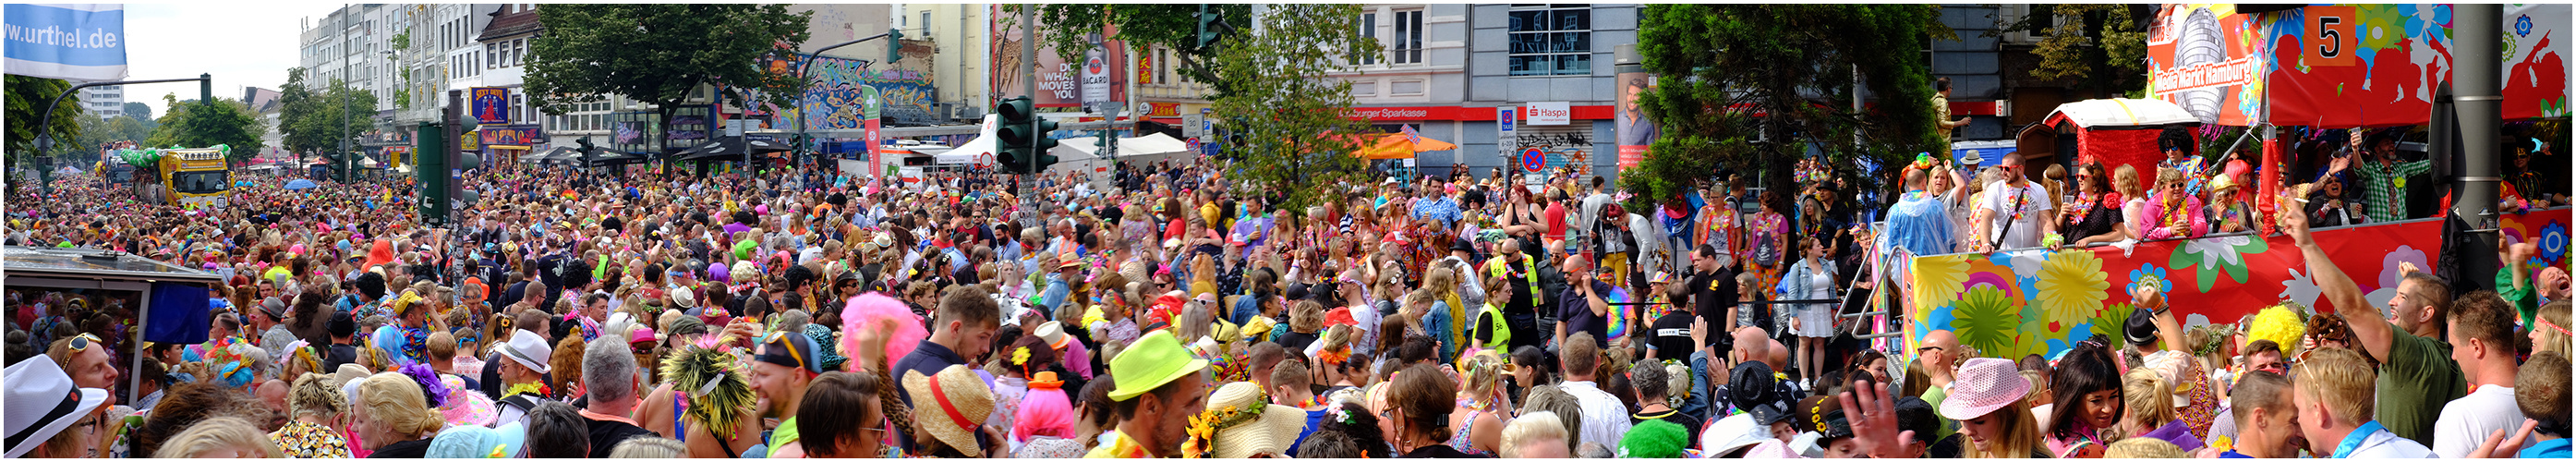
<point>1024,142</point>
<point>894,45</point>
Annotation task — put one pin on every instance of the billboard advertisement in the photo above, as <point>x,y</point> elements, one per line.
<point>1635,132</point>
<point>1059,81</point>
<point>491,105</point>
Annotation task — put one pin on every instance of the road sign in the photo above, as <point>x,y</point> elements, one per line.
<point>1193,142</point>
<point>1533,160</point>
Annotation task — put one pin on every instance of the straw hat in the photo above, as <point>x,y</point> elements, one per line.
<point>1247,425</point>
<point>1983,385</point>
<point>950,405</point>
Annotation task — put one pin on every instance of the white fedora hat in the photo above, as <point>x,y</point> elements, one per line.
<point>529,350</point>
<point>42,402</point>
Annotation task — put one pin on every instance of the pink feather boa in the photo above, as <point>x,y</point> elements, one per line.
<point>871,307</point>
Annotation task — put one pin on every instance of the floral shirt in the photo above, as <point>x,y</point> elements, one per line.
<point>310,441</point>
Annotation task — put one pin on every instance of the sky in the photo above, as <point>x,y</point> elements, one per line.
<point>242,44</point>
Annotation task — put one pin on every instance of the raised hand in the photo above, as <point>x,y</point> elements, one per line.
<point>1873,423</point>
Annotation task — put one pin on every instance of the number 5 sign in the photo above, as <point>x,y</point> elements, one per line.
<point>2331,39</point>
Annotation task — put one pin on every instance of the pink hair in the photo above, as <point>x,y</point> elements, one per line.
<point>1045,412</point>
<point>866,309</point>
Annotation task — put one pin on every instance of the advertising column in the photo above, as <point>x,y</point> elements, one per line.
<point>1635,132</point>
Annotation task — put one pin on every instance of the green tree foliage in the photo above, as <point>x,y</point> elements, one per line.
<point>27,97</point>
<point>658,53</point>
<point>310,119</point>
<point>98,131</point>
<point>2101,46</point>
<point>1281,108</point>
<point>1752,87</point>
<point>1276,98</point>
<point>1067,27</point>
<point>138,110</point>
<point>227,122</point>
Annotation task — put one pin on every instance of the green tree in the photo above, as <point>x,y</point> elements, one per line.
<point>138,110</point>
<point>27,97</point>
<point>200,124</point>
<point>97,131</point>
<point>1068,27</point>
<point>1278,101</point>
<point>310,119</point>
<point>2102,47</point>
<point>1752,87</point>
<point>659,53</point>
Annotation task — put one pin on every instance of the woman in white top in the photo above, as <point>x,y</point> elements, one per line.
<point>1811,279</point>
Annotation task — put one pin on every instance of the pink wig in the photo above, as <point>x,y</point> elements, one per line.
<point>872,307</point>
<point>1045,412</point>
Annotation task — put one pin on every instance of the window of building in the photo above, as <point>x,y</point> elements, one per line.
<point>1368,28</point>
<point>1406,45</point>
<point>1552,39</point>
<point>518,105</point>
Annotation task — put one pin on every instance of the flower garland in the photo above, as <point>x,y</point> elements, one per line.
<point>2084,204</point>
<point>2173,210</point>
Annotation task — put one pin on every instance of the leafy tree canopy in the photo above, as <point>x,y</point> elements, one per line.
<point>27,97</point>
<point>197,124</point>
<point>2100,46</point>
<point>138,110</point>
<point>1750,88</point>
<point>658,52</point>
<point>1067,27</point>
<point>310,119</point>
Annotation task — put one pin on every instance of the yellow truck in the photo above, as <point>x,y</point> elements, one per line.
<point>190,178</point>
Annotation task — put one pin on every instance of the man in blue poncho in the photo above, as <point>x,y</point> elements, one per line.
<point>1918,223</point>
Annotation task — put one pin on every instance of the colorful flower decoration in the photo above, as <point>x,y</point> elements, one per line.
<point>1939,280</point>
<point>2148,274</point>
<point>1988,320</point>
<point>2211,256</point>
<point>2072,287</point>
<point>2553,242</point>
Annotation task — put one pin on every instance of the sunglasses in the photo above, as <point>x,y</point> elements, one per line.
<point>82,342</point>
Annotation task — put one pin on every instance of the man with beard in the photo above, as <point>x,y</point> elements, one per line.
<point>787,363</point>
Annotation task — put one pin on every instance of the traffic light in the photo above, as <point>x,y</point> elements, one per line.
<point>430,145</point>
<point>1024,142</point>
<point>894,45</point>
<point>586,149</point>
<point>1211,26</point>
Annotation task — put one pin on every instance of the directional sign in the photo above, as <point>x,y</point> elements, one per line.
<point>1533,160</point>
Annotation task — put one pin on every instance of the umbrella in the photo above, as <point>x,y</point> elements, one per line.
<point>300,183</point>
<point>1396,145</point>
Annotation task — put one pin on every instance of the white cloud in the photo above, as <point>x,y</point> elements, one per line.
<point>240,43</point>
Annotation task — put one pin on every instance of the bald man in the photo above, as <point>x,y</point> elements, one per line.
<point>1749,346</point>
<point>1776,355</point>
<point>1939,354</point>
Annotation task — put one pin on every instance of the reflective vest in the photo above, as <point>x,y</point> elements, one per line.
<point>1500,332</point>
<point>1499,268</point>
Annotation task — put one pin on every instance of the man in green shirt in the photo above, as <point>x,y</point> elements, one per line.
<point>2385,187</point>
<point>2416,374</point>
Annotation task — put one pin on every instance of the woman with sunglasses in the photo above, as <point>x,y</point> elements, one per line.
<point>2094,216</point>
<point>2173,213</point>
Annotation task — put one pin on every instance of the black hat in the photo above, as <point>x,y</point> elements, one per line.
<point>2141,328</point>
<point>1751,384</point>
<point>1767,413</point>
<point>1462,245</point>
<point>342,325</point>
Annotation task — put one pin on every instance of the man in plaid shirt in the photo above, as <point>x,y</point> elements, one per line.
<point>2384,188</point>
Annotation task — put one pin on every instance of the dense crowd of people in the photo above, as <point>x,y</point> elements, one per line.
<point>1172,312</point>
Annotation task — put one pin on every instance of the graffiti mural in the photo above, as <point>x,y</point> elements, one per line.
<point>1564,149</point>
<point>833,99</point>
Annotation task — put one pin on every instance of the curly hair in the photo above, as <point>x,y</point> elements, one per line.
<point>313,395</point>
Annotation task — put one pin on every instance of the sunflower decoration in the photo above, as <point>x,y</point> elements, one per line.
<point>716,384</point>
<point>1203,427</point>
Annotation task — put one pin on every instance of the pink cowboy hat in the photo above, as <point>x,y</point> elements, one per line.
<point>1984,385</point>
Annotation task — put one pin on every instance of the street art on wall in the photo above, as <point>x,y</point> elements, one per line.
<point>2016,303</point>
<point>837,102</point>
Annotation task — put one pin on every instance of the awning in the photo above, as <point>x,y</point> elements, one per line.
<point>2121,114</point>
<point>1398,146</point>
<point>715,151</point>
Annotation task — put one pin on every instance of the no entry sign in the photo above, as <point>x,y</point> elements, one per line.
<point>1533,160</point>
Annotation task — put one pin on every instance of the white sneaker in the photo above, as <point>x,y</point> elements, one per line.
<point>1802,385</point>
